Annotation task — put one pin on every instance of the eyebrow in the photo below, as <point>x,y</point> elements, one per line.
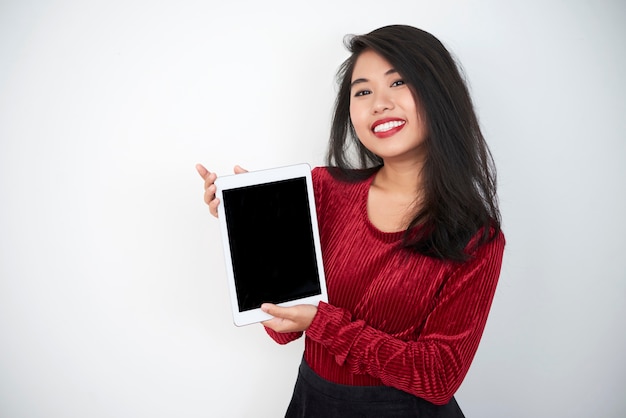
<point>365,80</point>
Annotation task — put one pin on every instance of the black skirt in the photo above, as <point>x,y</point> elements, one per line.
<point>314,396</point>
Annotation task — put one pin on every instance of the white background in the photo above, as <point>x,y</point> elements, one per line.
<point>113,300</point>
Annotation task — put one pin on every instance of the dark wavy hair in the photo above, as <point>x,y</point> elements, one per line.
<point>459,176</point>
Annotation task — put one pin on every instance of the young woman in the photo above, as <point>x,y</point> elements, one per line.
<point>411,238</point>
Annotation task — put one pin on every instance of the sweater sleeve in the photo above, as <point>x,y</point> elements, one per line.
<point>283,337</point>
<point>434,365</point>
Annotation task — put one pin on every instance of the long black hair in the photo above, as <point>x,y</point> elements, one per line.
<point>459,177</point>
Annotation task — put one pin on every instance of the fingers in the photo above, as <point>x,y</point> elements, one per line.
<point>209,186</point>
<point>277,324</point>
<point>209,178</point>
<point>213,204</point>
<point>209,193</point>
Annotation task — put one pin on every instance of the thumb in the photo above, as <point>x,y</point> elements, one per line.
<point>274,310</point>
<point>238,170</point>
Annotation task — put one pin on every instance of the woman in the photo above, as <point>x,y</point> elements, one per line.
<point>410,232</point>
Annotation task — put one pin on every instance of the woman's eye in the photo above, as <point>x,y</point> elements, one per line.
<point>397,83</point>
<point>362,93</point>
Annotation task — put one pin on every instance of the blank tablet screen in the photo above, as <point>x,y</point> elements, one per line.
<point>271,242</point>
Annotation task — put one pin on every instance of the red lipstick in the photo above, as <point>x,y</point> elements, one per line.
<point>384,128</point>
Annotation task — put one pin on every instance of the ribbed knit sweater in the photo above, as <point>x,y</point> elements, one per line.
<point>393,317</point>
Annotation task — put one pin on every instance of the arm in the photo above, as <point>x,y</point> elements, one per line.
<point>433,366</point>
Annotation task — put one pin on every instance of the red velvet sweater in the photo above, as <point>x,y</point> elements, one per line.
<point>393,317</point>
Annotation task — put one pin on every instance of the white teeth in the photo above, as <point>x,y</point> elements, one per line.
<point>384,127</point>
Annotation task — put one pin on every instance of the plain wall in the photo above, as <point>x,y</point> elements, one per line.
<point>113,298</point>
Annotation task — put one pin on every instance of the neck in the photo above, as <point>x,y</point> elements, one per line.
<point>402,178</point>
<point>395,196</point>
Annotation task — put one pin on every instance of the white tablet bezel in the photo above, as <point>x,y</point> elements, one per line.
<point>255,178</point>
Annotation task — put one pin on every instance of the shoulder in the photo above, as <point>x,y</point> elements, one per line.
<point>320,173</point>
<point>481,271</point>
<point>324,177</point>
<point>333,191</point>
<point>321,177</point>
<point>487,243</point>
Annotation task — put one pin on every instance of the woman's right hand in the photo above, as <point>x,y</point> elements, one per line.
<point>209,186</point>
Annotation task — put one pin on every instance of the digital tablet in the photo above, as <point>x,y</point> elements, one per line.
<point>271,240</point>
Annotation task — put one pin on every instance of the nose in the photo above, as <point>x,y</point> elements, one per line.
<point>382,103</point>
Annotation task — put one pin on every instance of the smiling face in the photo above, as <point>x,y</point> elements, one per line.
<point>383,111</point>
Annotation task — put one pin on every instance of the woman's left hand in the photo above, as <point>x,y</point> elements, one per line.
<point>292,319</point>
